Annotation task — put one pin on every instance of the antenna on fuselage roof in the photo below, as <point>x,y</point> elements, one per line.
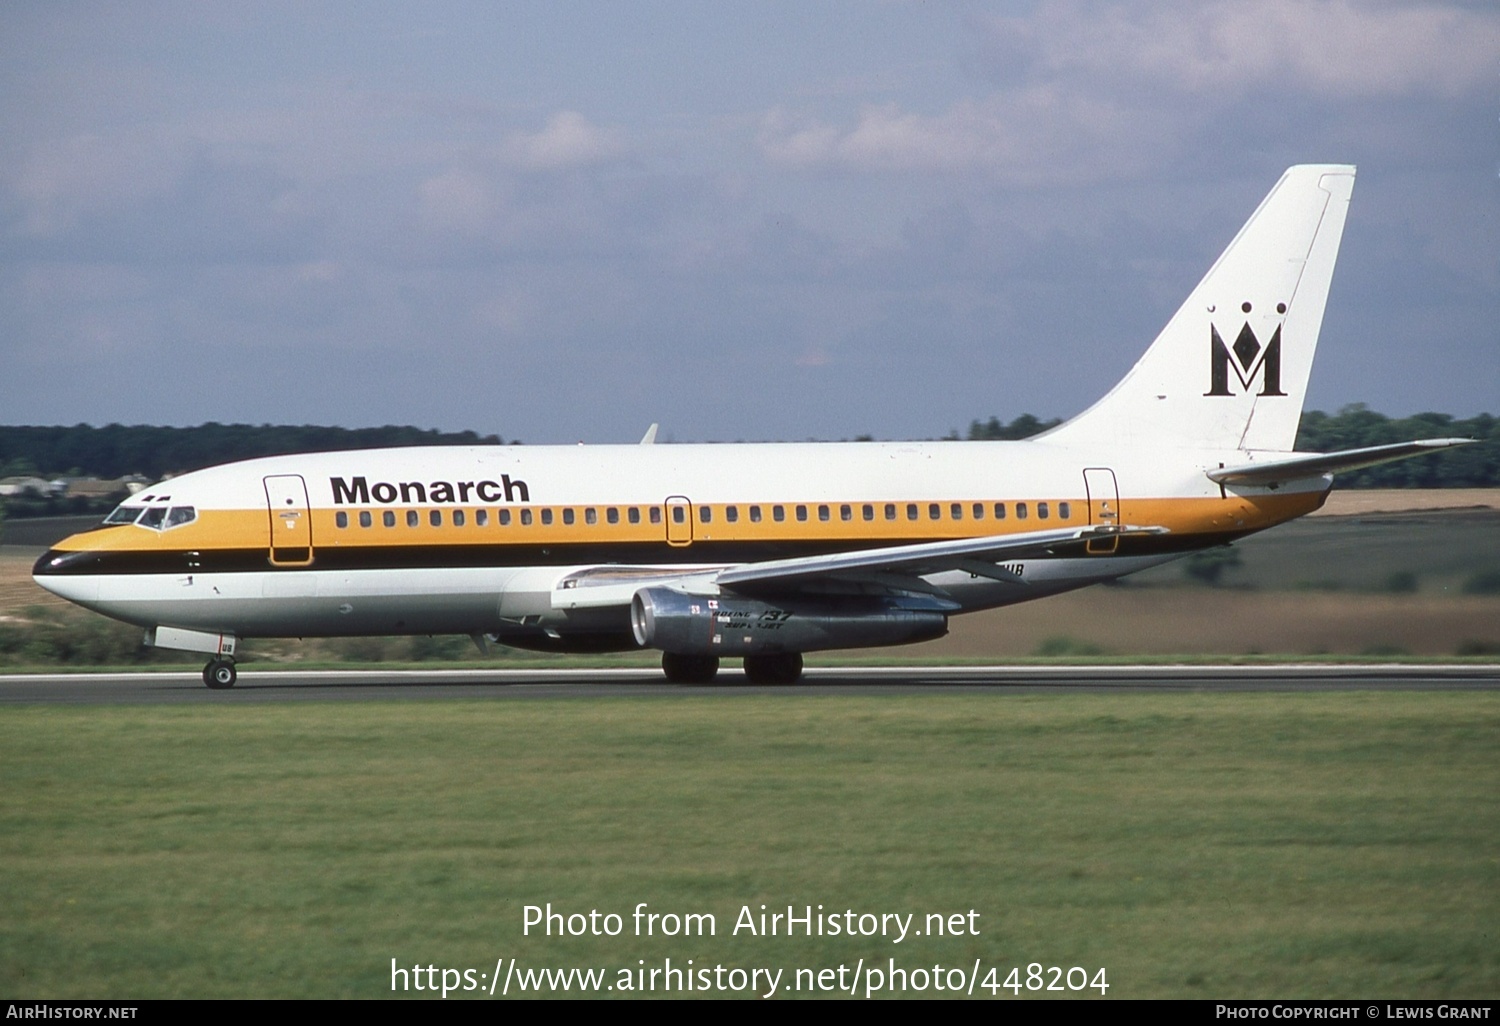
<point>649,438</point>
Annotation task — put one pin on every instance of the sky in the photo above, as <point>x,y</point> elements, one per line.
<point>564,221</point>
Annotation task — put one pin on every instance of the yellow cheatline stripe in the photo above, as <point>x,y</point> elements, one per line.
<point>241,529</point>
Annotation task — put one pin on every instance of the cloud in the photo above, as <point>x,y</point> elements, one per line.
<point>1094,89</point>
<point>1331,48</point>
<point>62,180</point>
<point>569,141</point>
<point>459,199</point>
<point>1025,135</point>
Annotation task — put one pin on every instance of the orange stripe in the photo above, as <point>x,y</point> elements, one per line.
<point>239,529</point>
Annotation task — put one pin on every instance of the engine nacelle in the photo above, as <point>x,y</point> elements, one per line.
<point>728,625</point>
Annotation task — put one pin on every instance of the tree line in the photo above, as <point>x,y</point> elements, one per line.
<point>116,450</point>
<point>1356,427</point>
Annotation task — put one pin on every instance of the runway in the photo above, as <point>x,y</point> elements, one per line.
<point>276,686</point>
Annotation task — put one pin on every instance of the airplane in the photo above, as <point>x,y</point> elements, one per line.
<point>761,552</point>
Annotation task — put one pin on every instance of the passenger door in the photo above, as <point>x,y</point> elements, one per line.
<point>679,512</point>
<point>291,541</point>
<point>1104,507</point>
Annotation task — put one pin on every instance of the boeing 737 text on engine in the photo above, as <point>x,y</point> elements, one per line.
<point>760,552</point>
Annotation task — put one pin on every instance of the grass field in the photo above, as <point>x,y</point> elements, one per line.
<point>1227,845</point>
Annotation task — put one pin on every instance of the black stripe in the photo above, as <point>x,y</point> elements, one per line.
<point>408,557</point>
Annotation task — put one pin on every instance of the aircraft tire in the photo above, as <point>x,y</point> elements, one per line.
<point>780,668</point>
<point>689,669</point>
<point>220,674</point>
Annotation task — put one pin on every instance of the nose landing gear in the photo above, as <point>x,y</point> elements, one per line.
<point>220,673</point>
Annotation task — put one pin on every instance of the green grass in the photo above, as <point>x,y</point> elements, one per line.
<point>1448,553</point>
<point>1227,845</point>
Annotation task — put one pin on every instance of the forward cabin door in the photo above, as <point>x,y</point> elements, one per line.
<point>1104,507</point>
<point>679,513</point>
<point>291,539</point>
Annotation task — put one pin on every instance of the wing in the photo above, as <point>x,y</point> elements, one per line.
<point>897,565</point>
<point>1277,471</point>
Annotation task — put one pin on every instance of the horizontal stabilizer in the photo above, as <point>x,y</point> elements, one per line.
<point>1310,465</point>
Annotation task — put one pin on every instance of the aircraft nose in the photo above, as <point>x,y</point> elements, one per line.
<point>65,574</point>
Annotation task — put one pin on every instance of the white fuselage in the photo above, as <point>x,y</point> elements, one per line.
<point>480,539</point>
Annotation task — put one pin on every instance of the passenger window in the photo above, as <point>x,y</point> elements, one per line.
<point>341,519</point>
<point>706,514</point>
<point>591,516</point>
<point>801,512</point>
<point>546,517</point>
<point>656,514</point>
<point>412,518</point>
<point>978,511</point>
<point>504,516</point>
<point>846,512</point>
<point>567,516</point>
<point>612,515</point>
<point>481,517</point>
<point>679,515</point>
<point>868,511</point>
<point>999,511</point>
<point>388,518</point>
<point>822,512</point>
<point>911,511</point>
<point>435,517</point>
<point>755,514</point>
<point>634,515</point>
<point>458,518</point>
<point>778,513</point>
<point>525,518</point>
<point>957,511</point>
<point>365,519</point>
<point>1042,512</point>
<point>890,511</point>
<point>1020,511</point>
<point>732,514</point>
<point>1064,510</point>
<point>934,511</point>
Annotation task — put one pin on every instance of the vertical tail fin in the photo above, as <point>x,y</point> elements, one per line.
<point>1230,369</point>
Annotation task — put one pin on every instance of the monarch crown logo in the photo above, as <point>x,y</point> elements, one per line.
<point>1247,357</point>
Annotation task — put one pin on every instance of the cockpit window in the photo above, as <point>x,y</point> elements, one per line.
<point>158,518</point>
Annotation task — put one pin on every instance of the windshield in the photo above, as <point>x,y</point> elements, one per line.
<point>124,515</point>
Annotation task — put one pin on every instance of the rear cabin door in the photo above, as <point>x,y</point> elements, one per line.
<point>679,512</point>
<point>291,539</point>
<point>1104,507</point>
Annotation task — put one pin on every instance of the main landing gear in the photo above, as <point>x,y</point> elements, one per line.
<point>220,673</point>
<point>689,669</point>
<point>777,668</point>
